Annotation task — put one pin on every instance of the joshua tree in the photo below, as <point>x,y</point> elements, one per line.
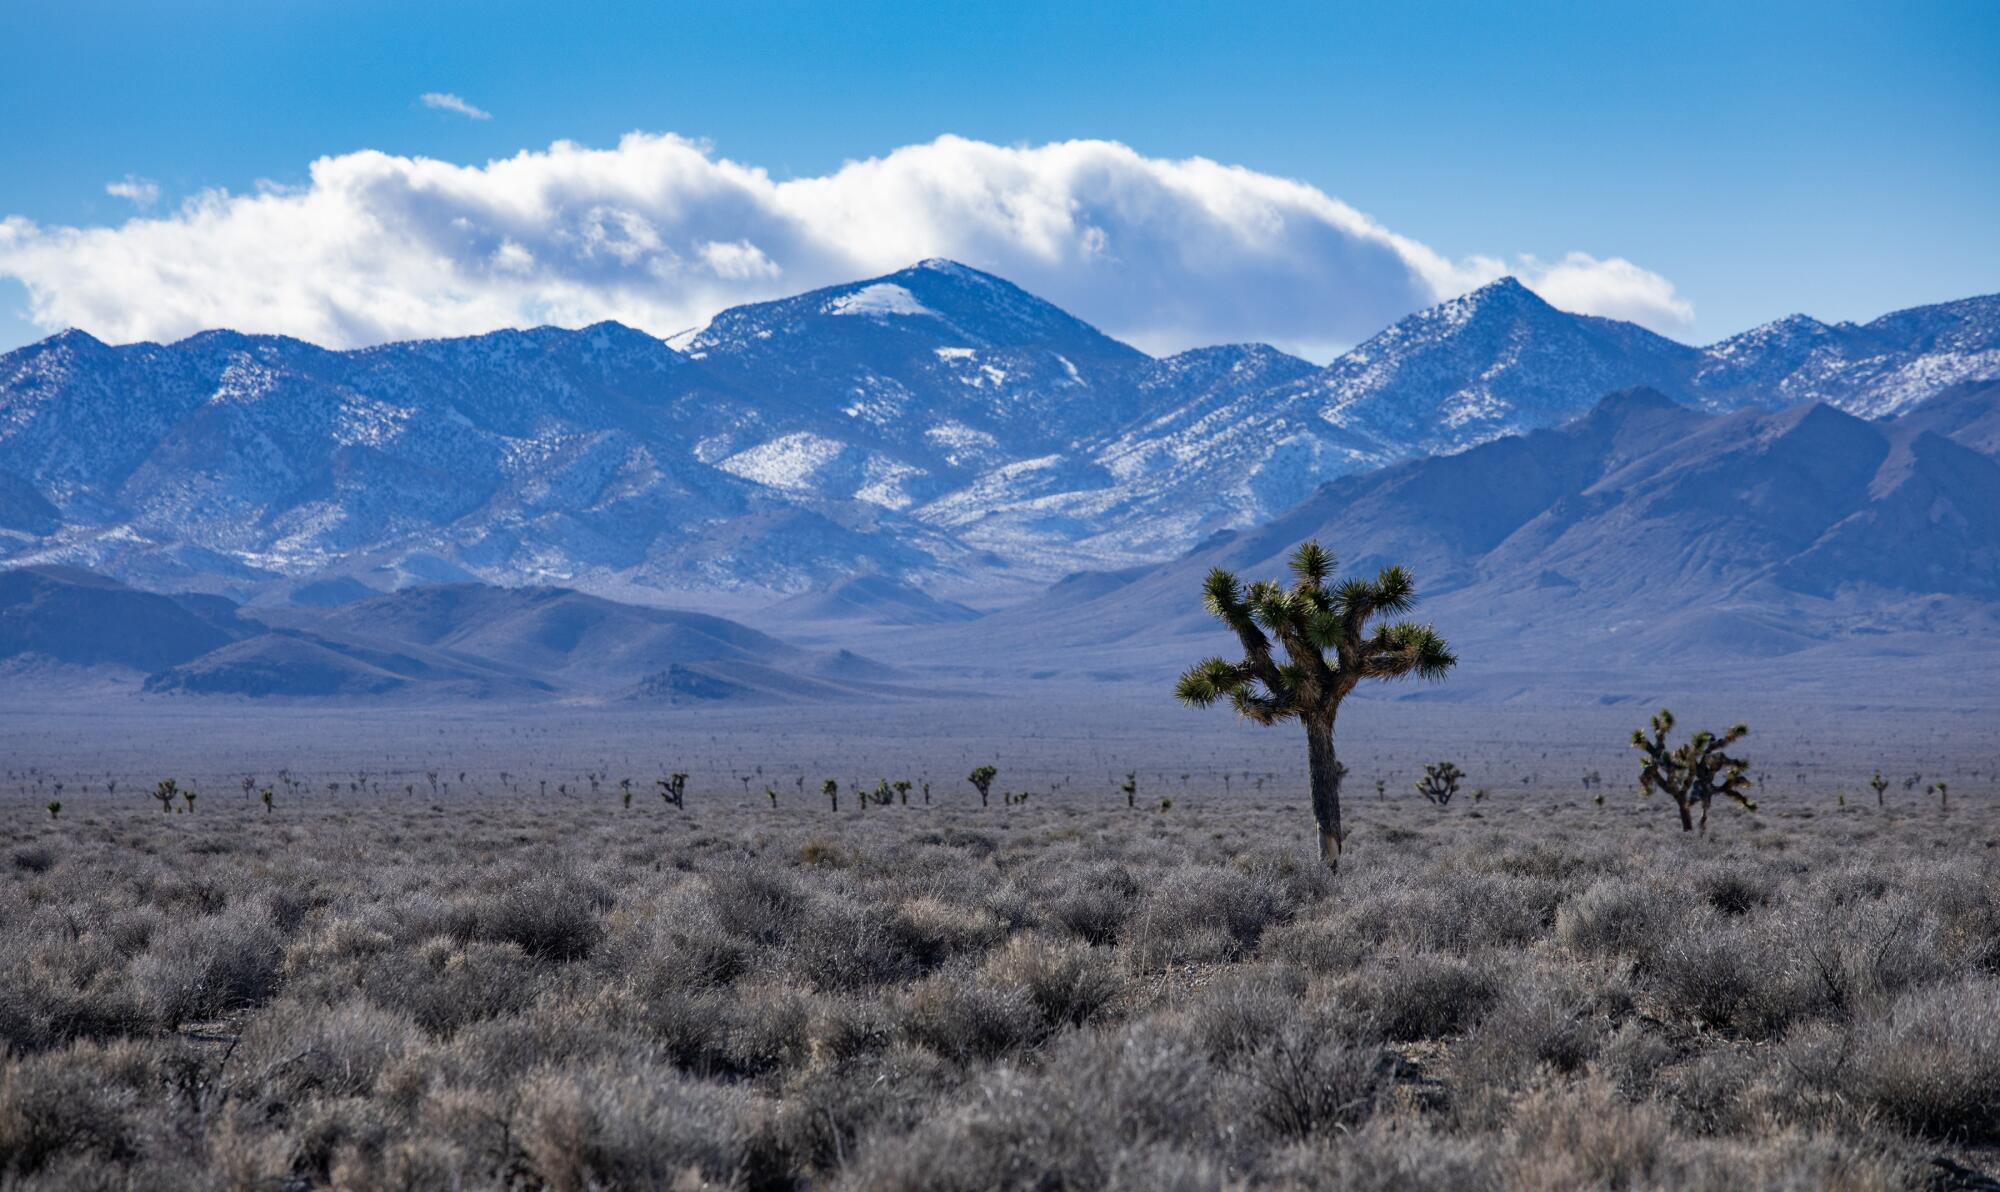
<point>982,779</point>
<point>927,794</point>
<point>1694,773</point>
<point>166,792</point>
<point>1440,782</point>
<point>903,791</point>
<point>265,795</point>
<point>55,808</point>
<point>831,790</point>
<point>249,784</point>
<point>1329,649</point>
<point>771,793</point>
<point>1131,789</point>
<point>1879,784</point>
<point>187,796</point>
<point>673,789</point>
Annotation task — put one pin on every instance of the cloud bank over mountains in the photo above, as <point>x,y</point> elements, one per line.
<point>661,233</point>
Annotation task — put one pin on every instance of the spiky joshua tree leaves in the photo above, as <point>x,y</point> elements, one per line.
<point>1440,782</point>
<point>673,790</point>
<point>1695,773</point>
<point>982,780</point>
<point>1331,640</point>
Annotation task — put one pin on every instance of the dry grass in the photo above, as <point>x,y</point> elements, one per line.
<point>498,992</point>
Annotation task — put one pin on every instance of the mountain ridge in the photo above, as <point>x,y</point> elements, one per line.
<point>937,426</point>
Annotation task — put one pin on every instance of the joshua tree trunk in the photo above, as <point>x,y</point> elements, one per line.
<point>1325,771</point>
<point>1687,817</point>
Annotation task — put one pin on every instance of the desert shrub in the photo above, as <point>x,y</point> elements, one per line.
<point>1932,1064</point>
<point>755,903</point>
<point>62,1104</point>
<point>1731,891</point>
<point>1242,1009</point>
<point>1707,1094</point>
<point>1094,1108</point>
<point>298,1048</point>
<point>1306,1079</point>
<point>933,930</point>
<point>959,1016</point>
<point>635,1126</point>
<point>830,1108</point>
<point>1857,957</point>
<point>1453,910</point>
<point>1615,917</point>
<point>54,990</point>
<point>1201,913</point>
<point>201,968</point>
<point>1386,1155</point>
<point>1530,1028</point>
<point>1585,1136</point>
<point>1425,995</point>
<point>1320,945</point>
<point>1067,983</point>
<point>36,858</point>
<point>1722,975</point>
<point>551,917</point>
<point>444,985</point>
<point>838,944</point>
<point>1094,902</point>
<point>1631,1058</point>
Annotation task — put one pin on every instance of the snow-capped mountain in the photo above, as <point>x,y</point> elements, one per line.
<point>1872,369</point>
<point>937,423</point>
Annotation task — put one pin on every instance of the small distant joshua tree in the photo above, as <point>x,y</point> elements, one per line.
<point>1440,782</point>
<point>1694,773</point>
<point>673,790</point>
<point>166,792</point>
<point>266,796</point>
<point>982,781</point>
<point>55,808</point>
<point>903,791</point>
<point>1878,784</point>
<point>927,794</point>
<point>771,793</point>
<point>1329,649</point>
<point>1131,789</point>
<point>831,790</point>
<point>187,796</point>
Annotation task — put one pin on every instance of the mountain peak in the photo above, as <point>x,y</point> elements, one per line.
<point>949,266</point>
<point>1506,289</point>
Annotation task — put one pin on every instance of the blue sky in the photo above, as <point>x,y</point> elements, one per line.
<point>1838,159</point>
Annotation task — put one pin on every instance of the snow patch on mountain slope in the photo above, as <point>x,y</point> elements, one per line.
<point>786,462</point>
<point>881,298</point>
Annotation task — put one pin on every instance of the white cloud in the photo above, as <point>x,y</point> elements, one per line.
<point>140,192</point>
<point>660,233</point>
<point>445,101</point>
<point>1616,289</point>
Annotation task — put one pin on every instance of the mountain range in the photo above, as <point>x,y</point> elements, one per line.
<point>938,428</point>
<point>1645,541</point>
<point>442,641</point>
